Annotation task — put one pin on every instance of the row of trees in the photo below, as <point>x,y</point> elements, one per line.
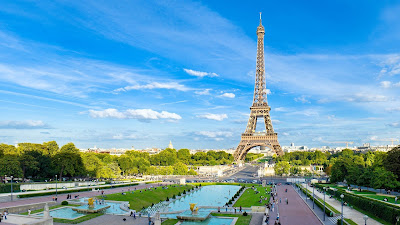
<point>43,161</point>
<point>373,169</point>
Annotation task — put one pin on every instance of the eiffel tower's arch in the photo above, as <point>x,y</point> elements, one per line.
<point>259,110</point>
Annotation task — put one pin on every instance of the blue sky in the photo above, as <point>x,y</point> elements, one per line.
<point>141,73</point>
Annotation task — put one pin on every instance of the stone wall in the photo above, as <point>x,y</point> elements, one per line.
<point>24,208</point>
<point>45,186</point>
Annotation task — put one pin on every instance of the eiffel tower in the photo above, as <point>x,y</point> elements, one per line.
<point>259,109</point>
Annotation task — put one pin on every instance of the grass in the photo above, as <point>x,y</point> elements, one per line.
<point>381,197</point>
<point>78,220</point>
<point>351,222</point>
<point>250,198</point>
<point>242,220</point>
<point>145,198</point>
<point>170,222</point>
<point>321,201</point>
<point>41,210</point>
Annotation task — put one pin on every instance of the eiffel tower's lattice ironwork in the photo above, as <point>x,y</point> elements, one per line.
<point>260,109</point>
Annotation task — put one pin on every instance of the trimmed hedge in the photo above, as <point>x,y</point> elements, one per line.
<point>63,191</point>
<point>320,204</point>
<point>375,207</point>
<point>6,188</point>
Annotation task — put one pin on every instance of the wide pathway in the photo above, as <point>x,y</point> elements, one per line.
<point>295,212</point>
<point>62,197</point>
<point>348,212</point>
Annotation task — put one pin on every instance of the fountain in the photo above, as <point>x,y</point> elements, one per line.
<point>193,214</point>
<point>194,210</point>
<point>91,207</point>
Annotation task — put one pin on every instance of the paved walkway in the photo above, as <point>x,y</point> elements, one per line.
<point>256,218</point>
<point>295,212</point>
<point>62,197</point>
<point>348,212</point>
<point>318,211</point>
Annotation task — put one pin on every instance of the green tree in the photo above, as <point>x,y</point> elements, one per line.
<point>10,166</point>
<point>383,179</point>
<point>8,149</point>
<point>51,147</point>
<point>184,155</point>
<point>180,169</point>
<point>28,162</point>
<point>281,168</point>
<point>392,161</point>
<point>68,161</point>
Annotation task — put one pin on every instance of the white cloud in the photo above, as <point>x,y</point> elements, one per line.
<point>199,73</point>
<point>281,109</point>
<point>386,84</point>
<point>391,65</point>
<point>216,135</point>
<point>395,124</point>
<point>373,138</point>
<point>140,114</point>
<point>367,97</point>
<point>228,95</point>
<point>203,92</point>
<point>155,85</point>
<point>124,137</point>
<point>210,116</point>
<point>29,124</point>
<point>302,99</point>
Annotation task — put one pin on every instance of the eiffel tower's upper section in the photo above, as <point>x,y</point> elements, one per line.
<point>260,91</point>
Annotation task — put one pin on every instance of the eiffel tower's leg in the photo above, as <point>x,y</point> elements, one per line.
<point>239,151</point>
<point>278,150</point>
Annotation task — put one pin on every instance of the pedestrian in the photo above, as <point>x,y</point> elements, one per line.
<point>134,215</point>
<point>1,217</point>
<point>287,202</point>
<point>240,209</point>
<point>226,209</point>
<point>280,200</point>
<point>131,213</point>
<point>235,210</point>
<point>53,198</point>
<point>5,214</point>
<point>29,212</point>
<point>56,198</point>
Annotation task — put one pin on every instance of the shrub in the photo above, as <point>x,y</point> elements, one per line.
<point>173,197</point>
<point>184,191</point>
<point>64,203</point>
<point>6,188</point>
<point>179,194</point>
<point>245,213</point>
<point>167,199</point>
<point>377,208</point>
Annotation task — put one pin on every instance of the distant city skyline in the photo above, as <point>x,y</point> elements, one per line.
<point>142,73</point>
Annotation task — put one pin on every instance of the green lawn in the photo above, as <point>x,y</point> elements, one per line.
<point>242,220</point>
<point>138,199</point>
<point>79,220</point>
<point>249,198</point>
<point>381,197</point>
<point>170,222</point>
<point>41,210</point>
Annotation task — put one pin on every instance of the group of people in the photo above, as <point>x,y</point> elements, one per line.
<point>3,215</point>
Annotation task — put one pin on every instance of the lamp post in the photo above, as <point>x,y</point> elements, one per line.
<point>56,186</point>
<point>365,217</point>
<point>313,197</point>
<point>342,196</point>
<point>324,201</point>
<point>11,188</point>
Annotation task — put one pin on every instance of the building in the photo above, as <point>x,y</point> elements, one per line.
<point>170,145</point>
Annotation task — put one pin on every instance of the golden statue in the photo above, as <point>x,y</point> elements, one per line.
<point>194,210</point>
<point>91,202</point>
